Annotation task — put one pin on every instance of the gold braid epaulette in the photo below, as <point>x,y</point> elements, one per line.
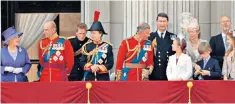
<point>154,42</point>
<point>136,50</point>
<point>84,48</point>
<point>44,49</point>
<point>89,54</point>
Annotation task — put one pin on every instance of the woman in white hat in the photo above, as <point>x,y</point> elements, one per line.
<point>194,41</point>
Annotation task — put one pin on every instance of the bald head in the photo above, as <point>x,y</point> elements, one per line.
<point>225,24</point>
<point>51,24</point>
<point>49,28</point>
<point>225,18</point>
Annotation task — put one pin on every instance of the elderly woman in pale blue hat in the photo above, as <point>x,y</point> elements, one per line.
<point>15,62</point>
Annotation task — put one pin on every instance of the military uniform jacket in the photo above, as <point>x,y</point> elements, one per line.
<point>129,50</point>
<point>162,51</point>
<point>99,54</point>
<point>59,63</point>
<point>77,71</point>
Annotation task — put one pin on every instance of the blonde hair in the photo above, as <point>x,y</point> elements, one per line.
<point>204,47</point>
<point>230,49</point>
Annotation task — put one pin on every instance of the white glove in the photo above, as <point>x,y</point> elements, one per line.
<point>17,70</point>
<point>9,69</point>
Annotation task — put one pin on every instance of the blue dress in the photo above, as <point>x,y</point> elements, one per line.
<point>22,61</point>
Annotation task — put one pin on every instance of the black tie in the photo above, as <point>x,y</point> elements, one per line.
<point>162,35</point>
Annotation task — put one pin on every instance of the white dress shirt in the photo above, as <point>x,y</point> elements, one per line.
<point>159,33</point>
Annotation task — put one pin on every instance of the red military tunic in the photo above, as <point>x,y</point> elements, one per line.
<point>60,63</point>
<point>127,52</point>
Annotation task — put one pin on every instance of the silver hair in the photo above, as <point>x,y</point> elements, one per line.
<point>143,26</point>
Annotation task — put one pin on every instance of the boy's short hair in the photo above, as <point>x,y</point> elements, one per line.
<point>204,47</point>
<point>81,26</point>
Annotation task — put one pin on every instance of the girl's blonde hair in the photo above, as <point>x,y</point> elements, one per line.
<point>230,49</point>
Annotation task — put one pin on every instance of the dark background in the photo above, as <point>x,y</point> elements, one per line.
<point>9,8</point>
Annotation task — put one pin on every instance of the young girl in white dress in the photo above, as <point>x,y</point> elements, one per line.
<point>180,64</point>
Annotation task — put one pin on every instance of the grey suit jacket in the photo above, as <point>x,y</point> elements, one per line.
<point>229,66</point>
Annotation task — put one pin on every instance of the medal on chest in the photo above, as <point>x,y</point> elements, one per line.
<point>147,47</point>
<point>58,46</point>
<point>103,49</point>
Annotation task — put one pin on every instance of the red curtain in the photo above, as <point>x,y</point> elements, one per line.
<point>40,92</point>
<point>213,92</point>
<point>119,92</point>
<point>139,92</point>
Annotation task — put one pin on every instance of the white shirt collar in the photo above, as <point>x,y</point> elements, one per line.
<point>207,59</point>
<point>159,33</point>
<point>223,35</point>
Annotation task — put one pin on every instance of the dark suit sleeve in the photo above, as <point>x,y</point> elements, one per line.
<point>217,71</point>
<point>151,36</point>
<point>212,44</point>
<point>110,60</point>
